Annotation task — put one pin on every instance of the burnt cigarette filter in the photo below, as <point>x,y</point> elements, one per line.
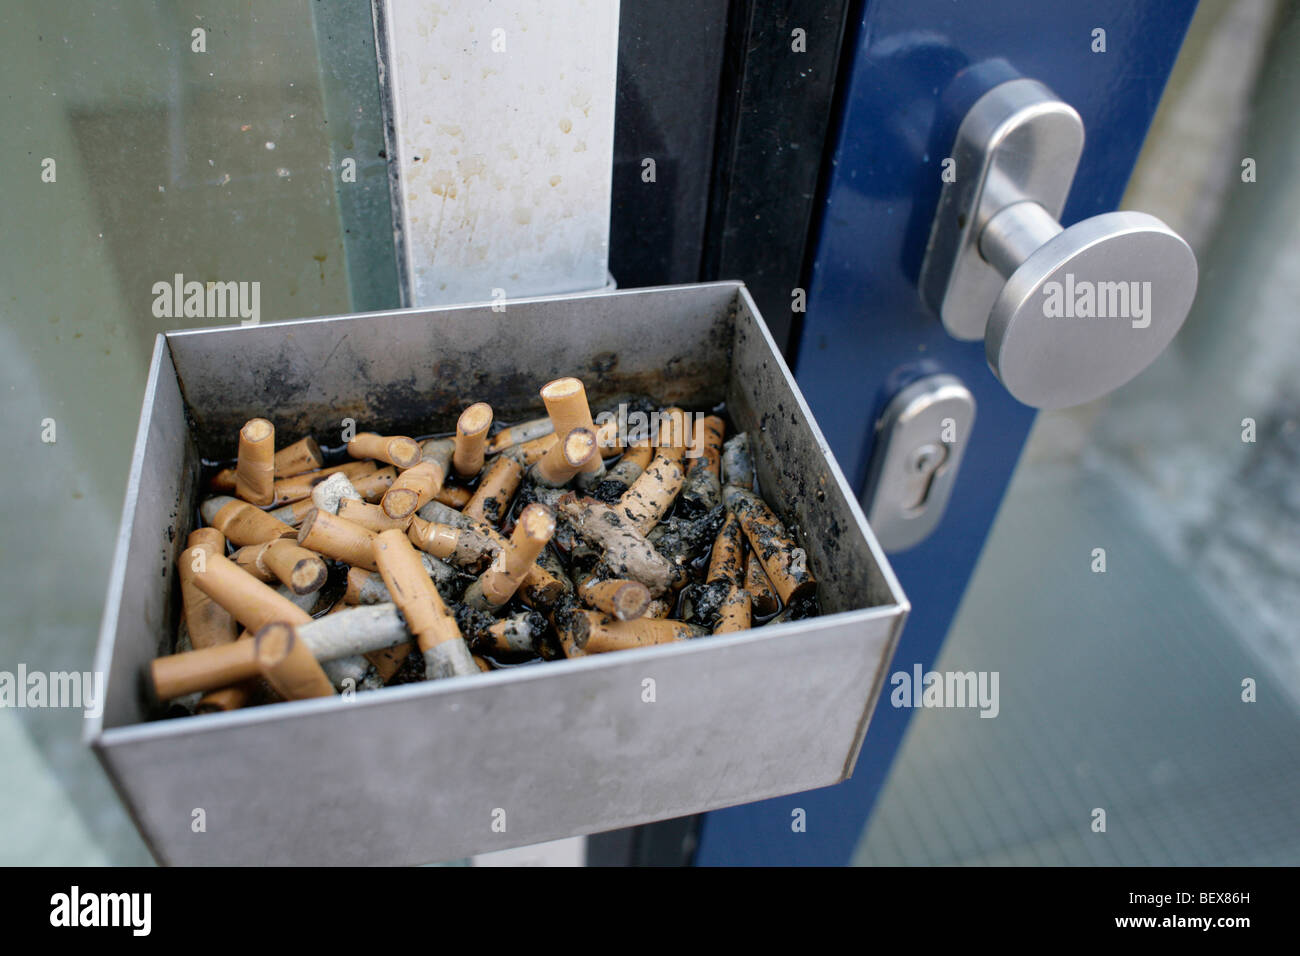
<point>207,622</point>
<point>427,617</point>
<point>763,595</point>
<point>255,469</point>
<point>287,664</point>
<point>518,434</point>
<point>338,538</point>
<point>242,523</point>
<point>454,496</point>
<point>371,516</point>
<point>726,561</point>
<point>497,585</point>
<point>531,452</point>
<point>784,561</point>
<point>706,445</point>
<point>619,477</point>
<point>702,489</point>
<point>413,489</point>
<point>288,490</point>
<point>734,615</point>
<point>466,548</point>
<point>566,458</point>
<point>303,455</point>
<point>508,636</point>
<point>737,465</point>
<point>330,493</point>
<point>471,439</point>
<point>675,434</point>
<point>620,598</point>
<point>301,571</point>
<point>654,491</point>
<point>591,632</point>
<point>395,450</point>
<point>491,500</point>
<point>627,552</point>
<point>566,404</point>
<point>367,587</point>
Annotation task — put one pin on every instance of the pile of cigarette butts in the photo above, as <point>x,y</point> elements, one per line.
<point>424,560</point>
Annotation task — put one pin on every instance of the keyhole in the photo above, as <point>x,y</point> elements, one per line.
<point>924,463</point>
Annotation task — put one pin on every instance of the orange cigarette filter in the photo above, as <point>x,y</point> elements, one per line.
<point>338,538</point>
<point>531,452</point>
<point>244,524</point>
<point>786,564</point>
<point>725,560</point>
<point>652,494</point>
<point>706,448</point>
<point>471,439</point>
<point>734,615</point>
<point>372,486</point>
<point>413,489</point>
<point>412,590</point>
<point>497,585</point>
<point>249,601</point>
<point>763,595</point>
<point>300,570</point>
<point>372,517</point>
<point>590,632</point>
<point>396,450</point>
<point>389,660</point>
<point>454,496</point>
<point>288,664</point>
<point>255,469</point>
<point>491,500</point>
<point>293,513</point>
<point>674,434</point>
<point>567,457</point>
<point>463,547</point>
<point>211,668</point>
<point>659,607</point>
<point>208,622</point>
<point>303,455</point>
<point>566,404</point>
<point>288,490</point>
<point>620,598</point>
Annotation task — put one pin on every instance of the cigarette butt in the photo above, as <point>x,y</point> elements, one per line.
<point>242,523</point>
<point>482,663</point>
<point>293,513</point>
<point>454,496</point>
<point>426,614</point>
<point>706,445</point>
<point>617,597</point>
<point>249,601</point>
<point>255,468</point>
<point>654,491</point>
<point>349,631</point>
<point>209,624</point>
<point>332,491</point>
<point>675,434</point>
<point>518,434</point>
<point>300,486</point>
<point>208,669</point>
<point>734,615</point>
<point>607,438</point>
<point>247,559</point>
<point>471,439</point>
<point>338,538</point>
<point>541,588</point>
<point>725,561</point>
<point>628,468</point>
<point>659,607</point>
<point>371,487</point>
<point>627,552</point>
<point>761,592</point>
<point>371,516</point>
<point>300,570</point>
<point>567,457</point>
<point>302,455</point>
<point>590,632</point>
<point>497,585</point>
<point>737,464</point>
<point>531,452</point>
<point>465,548</point>
<point>413,489</point>
<point>491,500</point>
<point>507,636</point>
<point>389,660</point>
<point>233,697</point>
<point>395,450</point>
<point>288,665</point>
<point>785,562</point>
<point>223,482</point>
<point>566,404</point>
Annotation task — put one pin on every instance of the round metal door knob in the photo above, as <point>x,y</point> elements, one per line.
<point>1084,309</point>
<point>1067,315</point>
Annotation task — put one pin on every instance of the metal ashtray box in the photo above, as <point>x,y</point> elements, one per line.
<point>440,770</point>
